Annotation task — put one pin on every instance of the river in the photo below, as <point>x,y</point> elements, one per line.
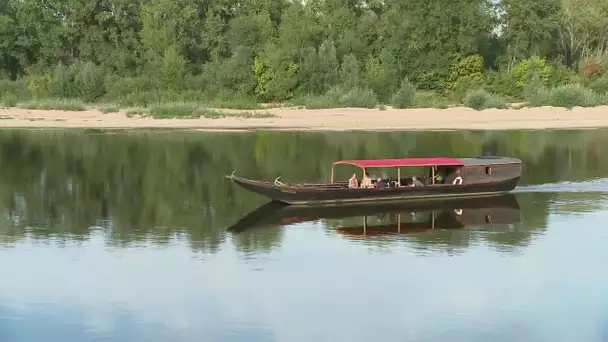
<point>137,236</point>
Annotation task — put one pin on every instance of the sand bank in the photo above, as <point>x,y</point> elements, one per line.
<point>324,119</point>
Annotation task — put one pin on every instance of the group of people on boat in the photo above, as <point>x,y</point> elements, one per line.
<point>367,182</point>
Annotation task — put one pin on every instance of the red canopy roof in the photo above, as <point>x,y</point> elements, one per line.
<point>402,162</point>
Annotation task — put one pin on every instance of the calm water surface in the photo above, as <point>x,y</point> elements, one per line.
<point>137,237</point>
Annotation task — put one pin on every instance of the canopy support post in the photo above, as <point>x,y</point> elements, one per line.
<point>332,174</point>
<point>398,175</point>
<point>433,175</point>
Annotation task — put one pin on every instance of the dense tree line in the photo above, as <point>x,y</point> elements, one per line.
<point>351,51</point>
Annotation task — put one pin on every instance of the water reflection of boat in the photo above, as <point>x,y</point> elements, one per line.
<point>391,218</point>
<point>447,177</point>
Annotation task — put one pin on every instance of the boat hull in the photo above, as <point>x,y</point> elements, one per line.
<point>312,195</point>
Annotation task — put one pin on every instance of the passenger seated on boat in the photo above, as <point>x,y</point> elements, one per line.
<point>380,183</point>
<point>416,182</point>
<point>367,181</point>
<point>353,183</point>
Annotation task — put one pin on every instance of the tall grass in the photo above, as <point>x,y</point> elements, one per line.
<point>338,97</point>
<point>54,104</point>
<point>193,111</point>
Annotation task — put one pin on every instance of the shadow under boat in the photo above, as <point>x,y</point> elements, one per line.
<point>394,218</point>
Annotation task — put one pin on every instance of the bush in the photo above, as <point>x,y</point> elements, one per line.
<point>573,95</point>
<point>525,71</point>
<point>470,67</point>
<point>131,91</point>
<point>338,97</point>
<point>40,85</point>
<point>599,85</point>
<point>465,85</point>
<point>499,82</point>
<point>89,81</point>
<point>62,85</point>
<point>480,99</point>
<point>561,75</point>
<point>430,99</point>
<point>359,97</point>
<point>9,100</point>
<point>537,97</point>
<point>405,96</point>
<point>173,69</point>
<point>14,88</point>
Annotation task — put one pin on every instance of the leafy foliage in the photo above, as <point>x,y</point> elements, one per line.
<point>470,68</point>
<point>141,53</point>
<point>530,69</point>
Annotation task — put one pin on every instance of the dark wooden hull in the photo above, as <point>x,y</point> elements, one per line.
<point>457,213</point>
<point>336,194</point>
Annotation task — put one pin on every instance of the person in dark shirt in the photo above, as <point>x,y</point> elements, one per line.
<point>380,183</point>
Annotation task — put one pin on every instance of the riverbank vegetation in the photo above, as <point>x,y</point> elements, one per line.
<point>318,54</point>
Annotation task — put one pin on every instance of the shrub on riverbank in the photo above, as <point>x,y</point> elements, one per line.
<point>566,96</point>
<point>405,97</point>
<point>481,99</point>
<point>573,95</point>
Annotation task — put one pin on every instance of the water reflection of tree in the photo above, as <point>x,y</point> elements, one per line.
<point>142,186</point>
<point>257,241</point>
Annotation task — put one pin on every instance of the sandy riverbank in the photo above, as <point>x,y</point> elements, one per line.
<point>325,119</point>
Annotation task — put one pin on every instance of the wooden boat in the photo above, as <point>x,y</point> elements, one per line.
<point>391,218</point>
<point>447,177</point>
